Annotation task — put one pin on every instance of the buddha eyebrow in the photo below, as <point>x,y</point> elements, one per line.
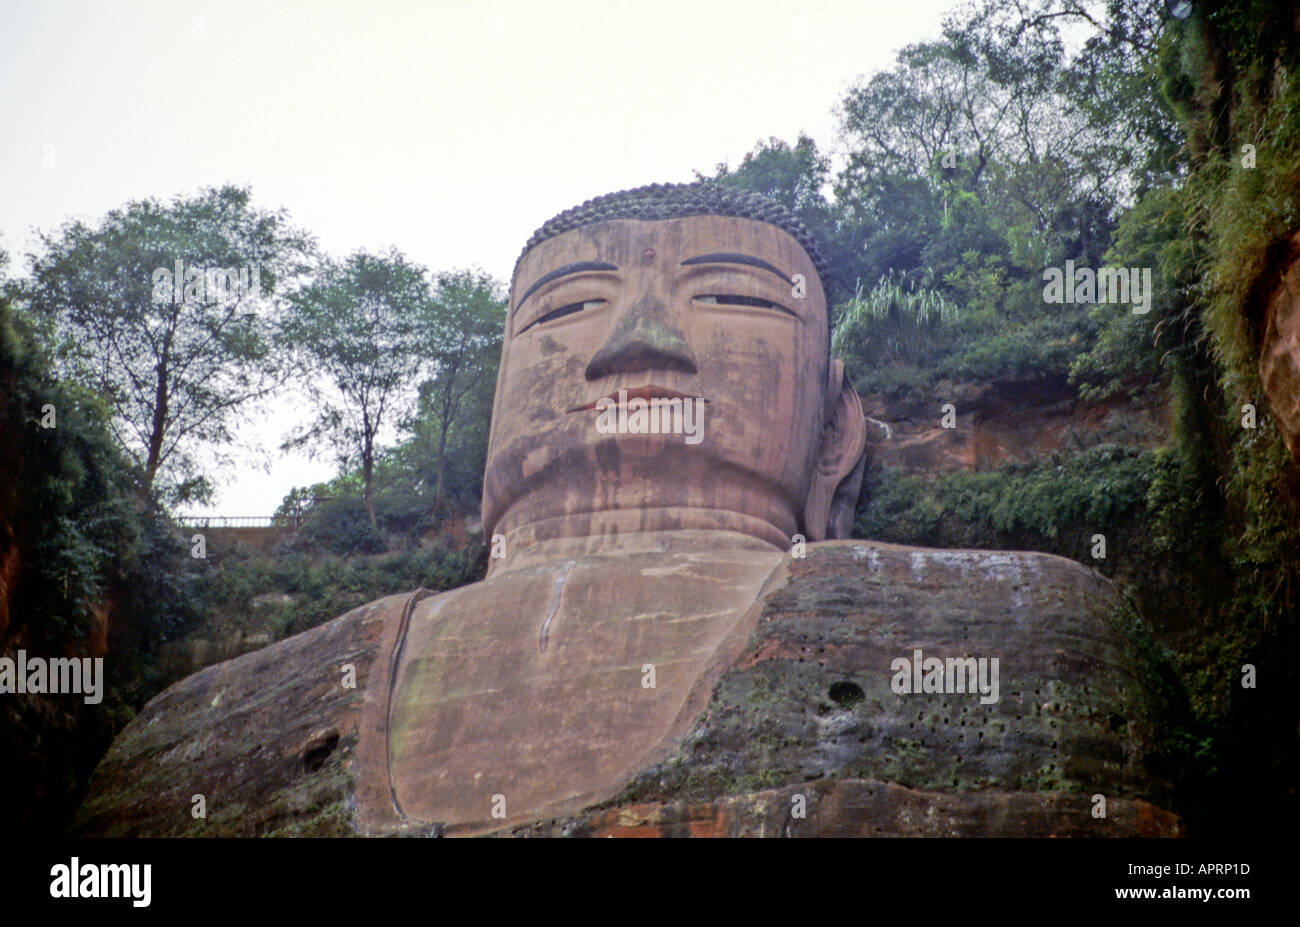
<point>564,271</point>
<point>736,259</point>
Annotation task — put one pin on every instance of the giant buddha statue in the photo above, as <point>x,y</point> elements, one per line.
<point>675,634</point>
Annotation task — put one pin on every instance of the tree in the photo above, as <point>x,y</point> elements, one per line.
<point>168,312</point>
<point>796,176</point>
<point>360,326</point>
<point>464,334</point>
<point>999,108</point>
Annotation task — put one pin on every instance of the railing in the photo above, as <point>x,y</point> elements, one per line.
<point>240,521</point>
<point>294,520</point>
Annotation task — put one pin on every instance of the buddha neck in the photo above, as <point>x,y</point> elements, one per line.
<point>630,531</point>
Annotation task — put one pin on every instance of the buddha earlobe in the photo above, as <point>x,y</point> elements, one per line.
<point>837,471</point>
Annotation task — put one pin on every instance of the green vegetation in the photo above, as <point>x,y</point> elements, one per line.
<point>307,587</point>
<point>167,313</point>
<point>367,328</point>
<point>91,566</point>
<point>972,163</point>
<point>983,158</point>
<point>1040,505</point>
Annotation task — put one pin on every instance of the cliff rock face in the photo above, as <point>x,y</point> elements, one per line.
<point>801,728</point>
<point>1005,421</point>
<point>9,566</point>
<point>1279,361</point>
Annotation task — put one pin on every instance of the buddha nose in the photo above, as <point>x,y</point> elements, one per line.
<point>643,340</point>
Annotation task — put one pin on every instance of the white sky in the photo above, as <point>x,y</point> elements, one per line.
<point>450,130</point>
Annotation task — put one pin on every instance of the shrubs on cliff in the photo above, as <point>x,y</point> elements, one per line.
<point>341,526</point>
<point>315,587</point>
<point>1048,505</point>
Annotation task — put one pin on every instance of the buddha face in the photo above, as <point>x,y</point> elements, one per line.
<point>726,316</point>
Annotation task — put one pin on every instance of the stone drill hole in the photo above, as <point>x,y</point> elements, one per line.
<point>846,694</point>
<point>313,759</point>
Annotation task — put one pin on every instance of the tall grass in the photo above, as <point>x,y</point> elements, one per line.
<point>894,320</point>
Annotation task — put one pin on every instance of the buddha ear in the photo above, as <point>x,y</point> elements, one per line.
<point>837,472</point>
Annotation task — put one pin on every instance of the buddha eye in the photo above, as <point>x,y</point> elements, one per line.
<point>563,311</point>
<point>735,300</point>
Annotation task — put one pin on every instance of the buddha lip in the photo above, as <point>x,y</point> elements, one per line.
<point>641,392</point>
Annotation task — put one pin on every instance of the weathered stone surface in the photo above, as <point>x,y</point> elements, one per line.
<point>1071,715</point>
<point>782,426</point>
<point>532,685</point>
<point>277,745</point>
<point>266,738</point>
<point>867,808</point>
<point>1279,360</point>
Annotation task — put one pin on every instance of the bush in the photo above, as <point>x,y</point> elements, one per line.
<point>323,586</point>
<point>1041,505</point>
<point>340,526</point>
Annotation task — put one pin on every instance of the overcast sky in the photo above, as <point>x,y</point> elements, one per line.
<point>450,130</point>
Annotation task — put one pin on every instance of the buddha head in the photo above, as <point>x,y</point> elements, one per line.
<point>666,367</point>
